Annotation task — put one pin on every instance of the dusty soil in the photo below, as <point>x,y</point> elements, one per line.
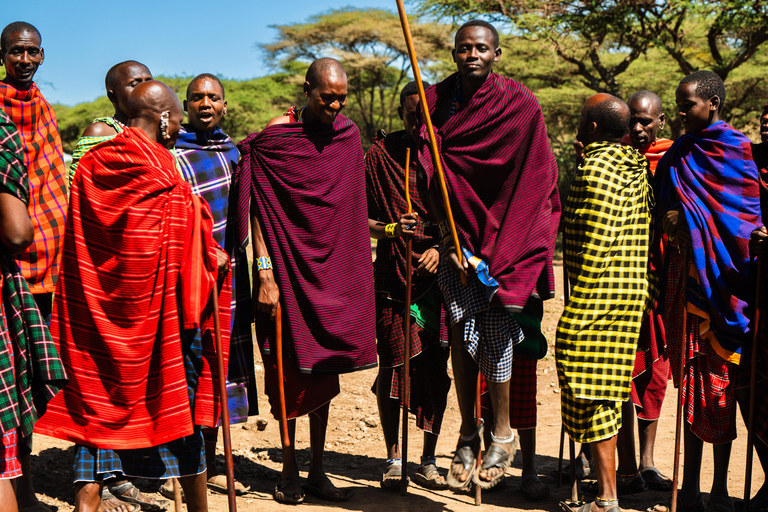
<point>355,454</point>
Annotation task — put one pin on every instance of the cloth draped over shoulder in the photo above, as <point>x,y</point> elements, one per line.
<point>711,174</point>
<point>307,181</point>
<point>139,265</point>
<point>86,143</point>
<point>501,176</point>
<point>653,152</point>
<point>44,158</point>
<point>607,221</point>
<point>31,372</point>
<point>385,183</point>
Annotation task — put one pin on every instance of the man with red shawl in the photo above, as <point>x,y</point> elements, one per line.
<point>305,176</point>
<point>139,264</point>
<point>501,177</point>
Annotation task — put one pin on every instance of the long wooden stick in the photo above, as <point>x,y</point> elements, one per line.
<point>752,386</point>
<point>428,121</point>
<point>177,501</point>
<point>229,466</point>
<point>280,378</point>
<point>560,457</point>
<point>681,368</point>
<point>479,420</point>
<point>571,444</point>
<point>405,395</point>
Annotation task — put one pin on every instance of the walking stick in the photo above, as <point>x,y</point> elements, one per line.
<point>571,444</point>
<point>228,463</point>
<point>428,121</point>
<point>177,506</point>
<point>681,368</point>
<point>281,384</point>
<point>560,457</point>
<point>479,417</point>
<point>407,327</point>
<point>752,385</point>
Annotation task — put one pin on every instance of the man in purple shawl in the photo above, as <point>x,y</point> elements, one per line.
<point>501,177</point>
<point>305,176</point>
<point>709,204</point>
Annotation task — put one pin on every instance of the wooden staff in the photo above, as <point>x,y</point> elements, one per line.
<point>177,501</point>
<point>683,353</point>
<point>428,121</point>
<point>571,444</point>
<point>752,386</point>
<point>479,420</point>
<point>281,384</point>
<point>407,328</point>
<point>229,466</point>
<point>560,457</point>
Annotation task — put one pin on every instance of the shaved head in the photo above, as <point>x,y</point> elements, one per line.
<point>650,97</point>
<point>603,118</point>
<point>646,118</point>
<point>205,76</point>
<point>17,27</point>
<point>148,104</point>
<point>322,69</point>
<point>121,69</point>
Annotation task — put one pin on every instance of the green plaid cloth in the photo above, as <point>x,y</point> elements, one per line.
<point>31,372</point>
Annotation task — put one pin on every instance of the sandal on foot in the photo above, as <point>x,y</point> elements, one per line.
<point>496,457</point>
<point>107,498</point>
<point>466,454</point>
<point>655,480</point>
<point>317,487</point>
<point>137,498</point>
<point>166,490</point>
<point>281,492</point>
<point>428,476</point>
<point>393,476</point>
<point>719,503</point>
<point>609,505</point>
<point>583,470</point>
<point>218,483</point>
<point>534,489</point>
<point>625,485</point>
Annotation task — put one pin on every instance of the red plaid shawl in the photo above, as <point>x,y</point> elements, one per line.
<point>502,180</point>
<point>138,261</point>
<point>43,156</point>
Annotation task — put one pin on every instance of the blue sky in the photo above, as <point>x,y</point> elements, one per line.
<point>83,39</point>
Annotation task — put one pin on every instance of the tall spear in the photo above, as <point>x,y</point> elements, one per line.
<point>752,393</point>
<point>281,384</point>
<point>681,368</point>
<point>229,466</point>
<point>407,328</point>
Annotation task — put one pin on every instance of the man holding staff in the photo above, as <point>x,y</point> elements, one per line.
<point>497,159</point>
<point>305,175</point>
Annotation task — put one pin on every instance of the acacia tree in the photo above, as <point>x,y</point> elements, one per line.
<point>369,42</point>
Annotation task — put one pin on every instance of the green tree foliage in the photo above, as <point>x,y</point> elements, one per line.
<point>369,42</point>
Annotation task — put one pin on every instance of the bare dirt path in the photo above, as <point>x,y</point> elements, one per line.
<point>355,454</point>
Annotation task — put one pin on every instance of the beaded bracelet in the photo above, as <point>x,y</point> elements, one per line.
<point>389,230</point>
<point>264,263</point>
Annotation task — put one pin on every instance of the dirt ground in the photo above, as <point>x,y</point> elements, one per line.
<point>355,454</point>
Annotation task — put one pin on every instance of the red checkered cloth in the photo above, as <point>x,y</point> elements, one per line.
<point>649,388</point>
<point>709,382</point>
<point>44,158</point>
<point>522,393</point>
<point>10,467</point>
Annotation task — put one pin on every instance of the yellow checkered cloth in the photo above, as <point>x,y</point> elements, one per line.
<point>607,221</point>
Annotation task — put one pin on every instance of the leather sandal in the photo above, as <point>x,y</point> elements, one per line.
<point>466,454</point>
<point>496,457</point>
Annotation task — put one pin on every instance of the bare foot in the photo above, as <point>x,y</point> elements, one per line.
<point>115,505</point>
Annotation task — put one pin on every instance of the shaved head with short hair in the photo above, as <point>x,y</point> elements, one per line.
<point>114,73</point>
<point>203,76</point>
<point>15,28</point>
<point>148,103</point>
<point>322,68</point>
<point>603,118</point>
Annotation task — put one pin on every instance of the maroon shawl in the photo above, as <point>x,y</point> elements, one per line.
<point>502,180</point>
<point>307,181</point>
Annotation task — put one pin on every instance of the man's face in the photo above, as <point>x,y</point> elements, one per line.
<point>205,105</point>
<point>694,112</point>
<point>22,57</point>
<point>475,53</point>
<point>328,97</point>
<point>408,113</point>
<point>764,124</point>
<point>128,78</point>
<point>645,121</point>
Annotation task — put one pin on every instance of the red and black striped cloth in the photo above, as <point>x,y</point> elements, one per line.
<point>307,181</point>
<point>502,180</point>
<point>138,264</point>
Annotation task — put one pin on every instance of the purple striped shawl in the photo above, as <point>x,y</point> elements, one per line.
<point>307,181</point>
<point>502,181</point>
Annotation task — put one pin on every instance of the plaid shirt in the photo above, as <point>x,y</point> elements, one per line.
<point>43,156</point>
<point>31,372</point>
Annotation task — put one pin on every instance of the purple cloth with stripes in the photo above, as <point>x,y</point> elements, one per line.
<point>307,181</point>
<point>502,180</point>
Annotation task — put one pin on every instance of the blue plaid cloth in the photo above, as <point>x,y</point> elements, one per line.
<point>489,332</point>
<point>182,457</point>
<point>206,161</point>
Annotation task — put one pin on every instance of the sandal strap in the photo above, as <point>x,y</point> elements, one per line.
<point>495,457</point>
<point>394,462</point>
<point>428,460</point>
<point>478,429</point>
